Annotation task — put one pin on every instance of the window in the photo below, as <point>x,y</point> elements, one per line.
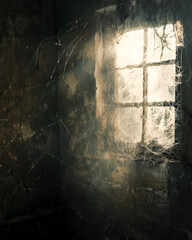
<point>147,85</point>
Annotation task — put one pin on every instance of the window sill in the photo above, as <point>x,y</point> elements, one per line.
<point>145,157</point>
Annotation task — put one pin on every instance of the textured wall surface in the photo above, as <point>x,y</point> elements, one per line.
<point>141,198</point>
<point>28,105</point>
<point>60,171</point>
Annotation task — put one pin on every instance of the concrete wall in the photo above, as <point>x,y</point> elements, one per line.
<point>55,150</point>
<point>146,198</point>
<point>28,174</point>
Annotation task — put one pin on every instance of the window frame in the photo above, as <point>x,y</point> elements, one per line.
<point>145,104</point>
<point>106,104</point>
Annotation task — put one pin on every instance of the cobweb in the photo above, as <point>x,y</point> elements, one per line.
<point>32,125</point>
<point>123,58</point>
<point>62,123</point>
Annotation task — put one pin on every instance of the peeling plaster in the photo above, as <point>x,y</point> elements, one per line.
<point>72,81</point>
<point>26,131</point>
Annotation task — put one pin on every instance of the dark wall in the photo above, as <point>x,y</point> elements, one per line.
<point>55,173</point>
<point>148,198</point>
<point>28,105</point>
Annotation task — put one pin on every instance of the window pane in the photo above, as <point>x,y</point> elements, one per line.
<point>161,125</point>
<point>161,43</point>
<point>161,83</point>
<point>130,124</point>
<point>130,85</point>
<point>129,48</point>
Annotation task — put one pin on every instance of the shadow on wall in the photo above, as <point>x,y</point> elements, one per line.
<point>55,151</point>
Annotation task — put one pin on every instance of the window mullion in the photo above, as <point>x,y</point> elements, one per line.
<point>162,104</point>
<point>145,83</point>
<point>153,64</point>
<point>178,96</point>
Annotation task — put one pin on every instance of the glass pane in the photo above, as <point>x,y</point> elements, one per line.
<point>161,83</point>
<point>129,48</point>
<point>161,43</point>
<point>130,85</point>
<point>161,126</point>
<point>130,124</point>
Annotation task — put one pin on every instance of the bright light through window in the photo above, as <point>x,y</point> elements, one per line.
<point>161,83</point>
<point>131,90</point>
<point>145,73</point>
<point>161,44</point>
<point>129,48</point>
